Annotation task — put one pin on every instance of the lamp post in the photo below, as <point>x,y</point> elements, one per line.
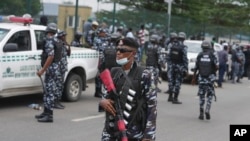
<point>113,21</point>
<point>76,17</point>
<point>169,13</point>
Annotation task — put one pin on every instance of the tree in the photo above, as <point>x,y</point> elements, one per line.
<point>20,7</point>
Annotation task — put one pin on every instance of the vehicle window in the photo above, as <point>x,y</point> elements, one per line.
<point>3,33</point>
<point>40,36</point>
<point>22,39</point>
<point>193,47</point>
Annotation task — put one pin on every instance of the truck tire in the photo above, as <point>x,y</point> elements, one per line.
<point>73,88</point>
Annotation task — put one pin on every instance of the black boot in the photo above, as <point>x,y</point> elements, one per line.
<point>58,105</point>
<point>170,97</point>
<point>42,114</point>
<point>201,116</point>
<point>207,115</point>
<point>175,100</point>
<point>48,117</point>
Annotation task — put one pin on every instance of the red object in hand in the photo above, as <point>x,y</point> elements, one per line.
<point>107,80</point>
<point>121,125</point>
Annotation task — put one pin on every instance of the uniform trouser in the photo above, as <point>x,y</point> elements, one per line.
<point>98,83</point>
<point>236,70</point>
<point>174,80</point>
<point>203,90</point>
<point>108,137</point>
<point>50,90</point>
<point>60,86</point>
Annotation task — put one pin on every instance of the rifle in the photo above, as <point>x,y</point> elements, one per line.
<point>109,84</point>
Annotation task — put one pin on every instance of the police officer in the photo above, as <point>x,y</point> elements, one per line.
<point>77,40</point>
<point>155,58</point>
<point>238,59</point>
<point>177,68</point>
<point>66,50</point>
<point>51,56</point>
<point>206,64</point>
<point>101,42</point>
<point>92,34</point>
<point>182,37</point>
<point>138,97</point>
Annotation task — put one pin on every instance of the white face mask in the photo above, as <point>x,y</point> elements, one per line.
<point>122,61</point>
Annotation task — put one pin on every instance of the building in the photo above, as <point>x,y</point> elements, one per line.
<point>64,16</point>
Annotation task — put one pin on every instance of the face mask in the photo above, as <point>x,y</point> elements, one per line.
<point>122,61</point>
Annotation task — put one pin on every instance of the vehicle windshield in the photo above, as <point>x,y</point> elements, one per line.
<point>3,33</point>
<point>193,47</point>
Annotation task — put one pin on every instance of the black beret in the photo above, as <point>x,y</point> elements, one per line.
<point>131,42</point>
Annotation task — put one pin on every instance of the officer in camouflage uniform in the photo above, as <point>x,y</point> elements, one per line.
<point>138,97</point>
<point>92,34</point>
<point>64,67</point>
<point>238,61</point>
<point>50,61</point>
<point>206,64</point>
<point>77,40</point>
<point>155,58</point>
<point>177,68</point>
<point>101,42</point>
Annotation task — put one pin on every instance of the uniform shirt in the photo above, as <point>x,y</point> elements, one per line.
<point>64,62</point>
<point>184,65</point>
<point>49,49</point>
<point>91,36</point>
<point>148,90</point>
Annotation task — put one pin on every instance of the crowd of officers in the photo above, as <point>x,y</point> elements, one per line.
<point>133,99</point>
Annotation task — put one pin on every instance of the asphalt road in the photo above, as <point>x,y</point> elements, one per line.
<point>80,121</point>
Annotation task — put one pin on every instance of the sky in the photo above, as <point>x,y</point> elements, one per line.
<point>90,3</point>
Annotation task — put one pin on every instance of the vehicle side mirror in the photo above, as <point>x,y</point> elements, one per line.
<point>10,47</point>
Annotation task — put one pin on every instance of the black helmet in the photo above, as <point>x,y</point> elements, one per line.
<point>173,35</point>
<point>78,35</point>
<point>52,28</point>
<point>182,35</point>
<point>206,45</point>
<point>154,38</point>
<point>61,33</point>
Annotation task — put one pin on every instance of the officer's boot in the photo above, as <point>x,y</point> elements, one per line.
<point>207,115</point>
<point>170,97</point>
<point>48,117</point>
<point>42,114</point>
<point>175,99</point>
<point>58,105</point>
<point>201,116</point>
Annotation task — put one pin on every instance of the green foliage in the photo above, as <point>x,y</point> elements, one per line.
<point>20,7</point>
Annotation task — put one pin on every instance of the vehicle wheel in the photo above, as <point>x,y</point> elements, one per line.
<point>73,88</point>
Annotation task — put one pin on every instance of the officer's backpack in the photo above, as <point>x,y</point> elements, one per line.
<point>109,57</point>
<point>205,63</point>
<point>152,57</point>
<point>176,53</point>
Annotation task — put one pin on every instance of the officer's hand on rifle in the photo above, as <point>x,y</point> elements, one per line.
<point>107,105</point>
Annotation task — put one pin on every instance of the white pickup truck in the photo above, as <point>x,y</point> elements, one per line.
<point>20,50</point>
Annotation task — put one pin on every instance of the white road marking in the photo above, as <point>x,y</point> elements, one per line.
<point>87,118</point>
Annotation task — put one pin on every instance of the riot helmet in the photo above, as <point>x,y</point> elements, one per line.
<point>154,38</point>
<point>78,35</point>
<point>173,36</point>
<point>206,45</point>
<point>51,28</point>
<point>182,35</point>
<point>61,33</point>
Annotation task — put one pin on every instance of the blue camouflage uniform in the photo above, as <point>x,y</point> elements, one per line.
<point>99,44</point>
<point>238,61</point>
<point>155,61</point>
<point>135,131</point>
<point>206,84</point>
<point>176,70</point>
<point>52,75</point>
<point>63,68</point>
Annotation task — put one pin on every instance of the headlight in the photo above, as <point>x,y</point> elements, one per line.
<point>192,60</point>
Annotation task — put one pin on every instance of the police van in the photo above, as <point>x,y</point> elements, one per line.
<point>21,45</point>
